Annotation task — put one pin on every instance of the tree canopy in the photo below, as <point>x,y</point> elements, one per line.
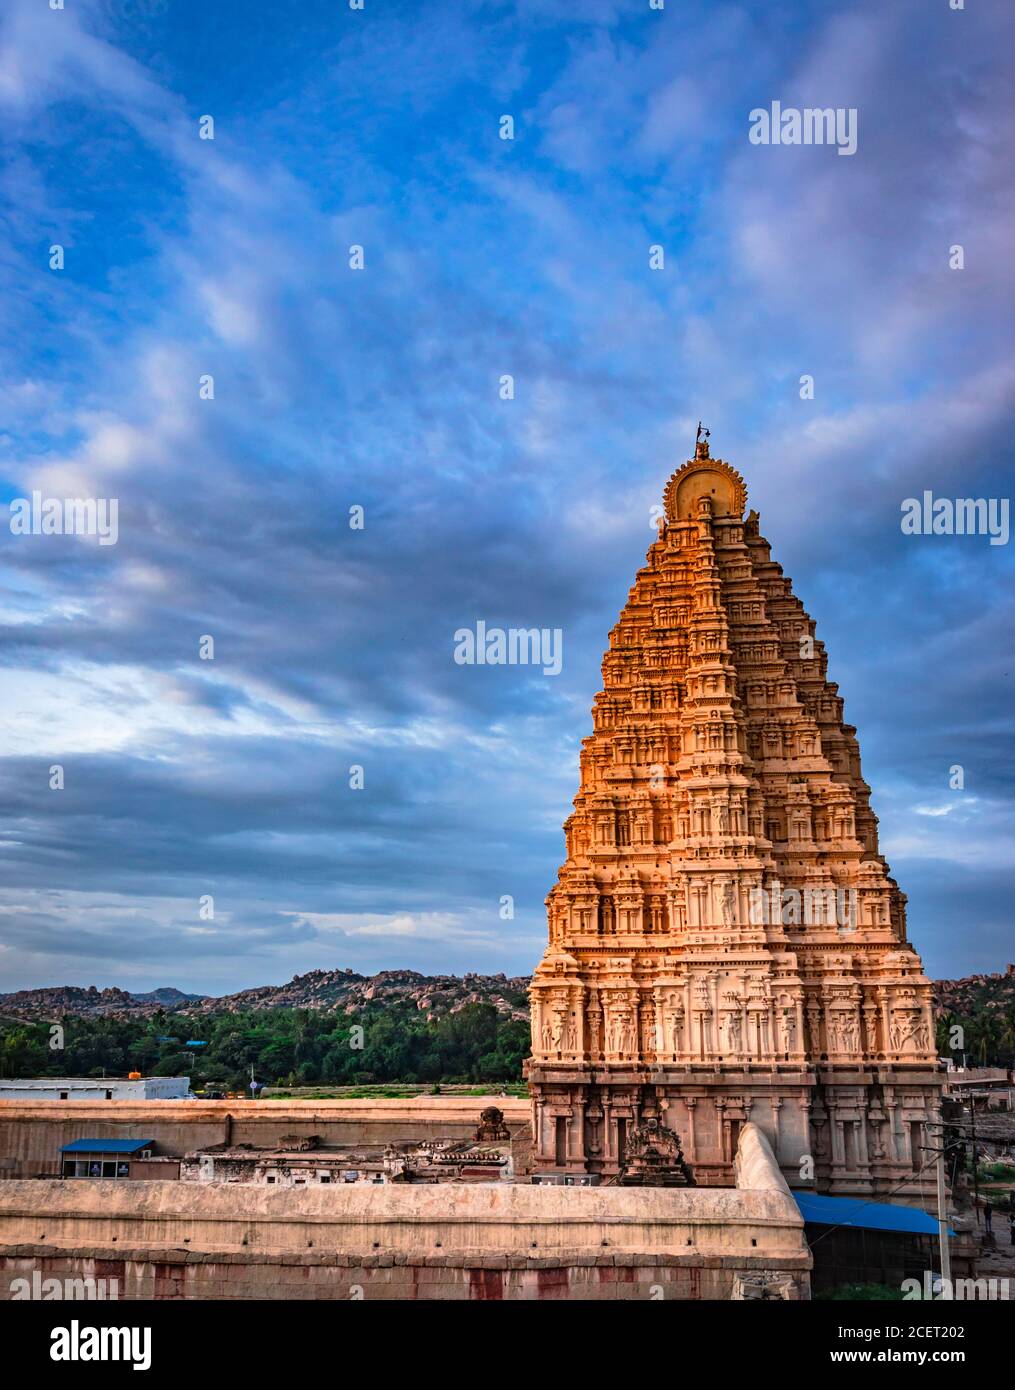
<point>296,1047</point>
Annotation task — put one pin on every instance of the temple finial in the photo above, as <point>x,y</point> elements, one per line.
<point>701,442</point>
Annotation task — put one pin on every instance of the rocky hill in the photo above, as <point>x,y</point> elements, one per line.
<point>975,994</point>
<point>331,991</point>
<point>166,997</point>
<point>344,991</point>
<point>83,1003</point>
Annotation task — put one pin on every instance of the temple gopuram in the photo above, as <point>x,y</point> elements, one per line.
<point>726,944</point>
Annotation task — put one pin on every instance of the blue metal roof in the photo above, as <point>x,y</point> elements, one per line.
<point>106,1146</point>
<point>871,1216</point>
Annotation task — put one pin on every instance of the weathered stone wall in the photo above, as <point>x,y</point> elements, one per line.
<point>502,1240</point>
<point>578,1275</point>
<point>31,1134</point>
<point>754,1167</point>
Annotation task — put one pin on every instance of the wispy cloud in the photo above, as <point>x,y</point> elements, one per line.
<point>335,388</point>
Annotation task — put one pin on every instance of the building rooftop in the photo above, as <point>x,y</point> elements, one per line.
<point>99,1081</point>
<point>106,1146</point>
<point>869,1216</point>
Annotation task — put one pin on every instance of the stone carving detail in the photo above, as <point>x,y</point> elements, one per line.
<point>730,1026</point>
<point>765,1286</point>
<point>908,1032</point>
<point>653,1158</point>
<point>491,1126</point>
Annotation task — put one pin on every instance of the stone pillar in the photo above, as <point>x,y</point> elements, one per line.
<point>576,1129</point>
<point>692,1143</point>
<point>893,1133</point>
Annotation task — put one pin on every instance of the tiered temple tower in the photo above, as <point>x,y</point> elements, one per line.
<point>725,941</point>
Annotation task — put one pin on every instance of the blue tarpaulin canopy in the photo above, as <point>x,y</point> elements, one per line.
<point>106,1146</point>
<point>871,1216</point>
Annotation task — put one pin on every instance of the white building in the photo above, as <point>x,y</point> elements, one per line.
<point>96,1088</point>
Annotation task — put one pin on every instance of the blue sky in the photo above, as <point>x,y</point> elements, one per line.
<point>378,388</point>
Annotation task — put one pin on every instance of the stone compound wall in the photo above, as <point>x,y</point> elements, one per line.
<point>576,1277</point>
<point>472,1241</point>
<point>32,1133</point>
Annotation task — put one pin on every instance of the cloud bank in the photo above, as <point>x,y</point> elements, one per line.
<point>380,389</point>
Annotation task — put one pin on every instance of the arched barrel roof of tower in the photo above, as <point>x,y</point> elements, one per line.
<point>700,477</point>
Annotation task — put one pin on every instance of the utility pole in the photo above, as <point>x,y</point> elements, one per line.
<point>942,1223</point>
<point>976,1159</point>
<point>940,1149</point>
